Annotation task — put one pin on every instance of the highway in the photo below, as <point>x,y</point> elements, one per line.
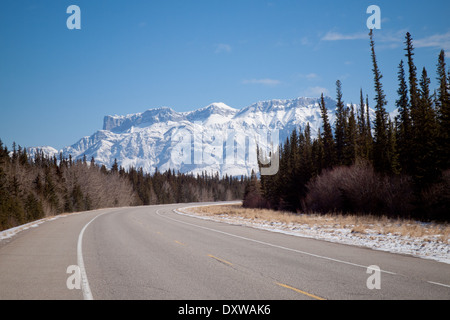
<point>153,253</point>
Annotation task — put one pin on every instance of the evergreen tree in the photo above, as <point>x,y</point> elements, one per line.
<point>350,141</point>
<point>4,198</point>
<point>77,198</point>
<point>284,173</point>
<point>115,167</point>
<point>329,153</point>
<point>318,154</point>
<point>369,137</point>
<point>403,124</point>
<point>340,125</point>
<point>252,194</point>
<point>368,121</point>
<point>14,187</point>
<point>14,153</point>
<point>50,191</point>
<point>413,87</point>
<point>306,167</point>
<point>380,144</point>
<point>307,164</point>
<point>292,175</point>
<point>362,150</point>
<point>23,157</point>
<point>426,164</point>
<point>393,150</point>
<point>443,109</point>
<point>38,186</point>
<point>33,208</point>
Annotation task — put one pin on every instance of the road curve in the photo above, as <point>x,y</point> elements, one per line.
<point>153,253</point>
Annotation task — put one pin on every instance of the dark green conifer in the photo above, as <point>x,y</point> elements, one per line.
<point>380,143</point>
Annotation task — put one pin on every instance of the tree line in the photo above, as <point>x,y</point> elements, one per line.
<point>35,187</point>
<point>396,167</point>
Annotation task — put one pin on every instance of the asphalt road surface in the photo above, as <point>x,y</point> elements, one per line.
<point>153,253</point>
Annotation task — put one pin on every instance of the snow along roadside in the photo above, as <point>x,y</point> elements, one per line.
<point>9,233</point>
<point>415,246</point>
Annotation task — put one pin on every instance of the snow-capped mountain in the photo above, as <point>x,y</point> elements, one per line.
<point>213,139</point>
<point>46,150</point>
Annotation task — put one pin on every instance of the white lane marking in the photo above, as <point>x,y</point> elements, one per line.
<point>439,284</point>
<point>289,249</point>
<point>87,294</point>
<point>268,244</point>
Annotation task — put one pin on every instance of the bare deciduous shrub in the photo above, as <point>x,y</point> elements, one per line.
<point>436,199</point>
<point>359,189</point>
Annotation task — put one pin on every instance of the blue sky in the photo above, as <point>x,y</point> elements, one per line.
<point>56,84</point>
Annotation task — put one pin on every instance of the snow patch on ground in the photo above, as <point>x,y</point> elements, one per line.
<point>427,248</point>
<point>9,233</point>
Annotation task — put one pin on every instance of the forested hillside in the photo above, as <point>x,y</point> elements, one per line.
<point>31,189</point>
<point>395,167</point>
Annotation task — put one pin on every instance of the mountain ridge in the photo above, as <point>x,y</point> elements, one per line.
<point>199,140</point>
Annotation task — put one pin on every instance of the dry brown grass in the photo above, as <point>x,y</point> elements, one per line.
<point>358,224</point>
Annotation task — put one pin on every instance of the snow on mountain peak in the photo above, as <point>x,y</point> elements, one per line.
<point>215,138</point>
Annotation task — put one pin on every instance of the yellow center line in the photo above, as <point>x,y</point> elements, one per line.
<point>181,243</point>
<point>300,291</point>
<point>220,260</point>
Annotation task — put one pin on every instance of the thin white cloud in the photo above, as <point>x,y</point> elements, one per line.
<point>395,39</point>
<point>315,92</point>
<point>223,48</point>
<point>391,40</point>
<point>311,76</point>
<point>336,36</point>
<point>382,36</point>
<point>441,41</point>
<point>265,82</point>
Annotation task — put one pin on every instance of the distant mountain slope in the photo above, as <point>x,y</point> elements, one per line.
<point>199,140</point>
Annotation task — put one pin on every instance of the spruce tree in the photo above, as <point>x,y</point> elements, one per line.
<point>340,125</point>
<point>403,124</point>
<point>368,121</point>
<point>50,190</point>
<point>318,154</point>
<point>393,149</point>
<point>413,87</point>
<point>306,163</point>
<point>33,208</point>
<point>380,144</point>
<point>362,148</point>
<point>426,164</point>
<point>4,199</point>
<point>350,138</point>
<point>328,141</point>
<point>252,194</point>
<point>115,167</point>
<point>369,137</point>
<point>443,109</point>
<point>4,154</point>
<point>291,173</point>
<point>270,183</point>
